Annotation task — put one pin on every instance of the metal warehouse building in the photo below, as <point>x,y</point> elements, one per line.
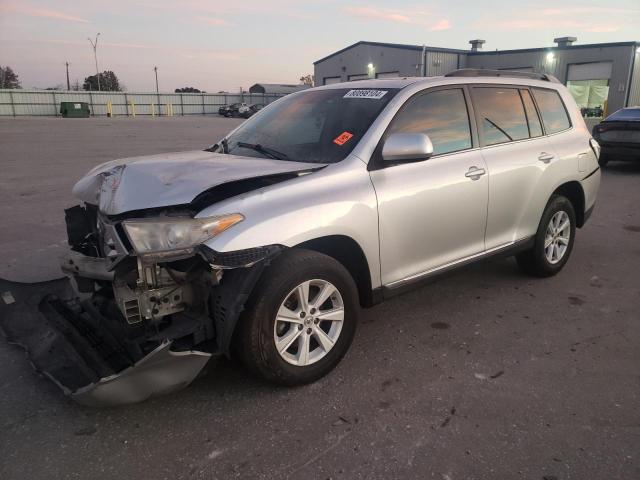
<point>602,77</point>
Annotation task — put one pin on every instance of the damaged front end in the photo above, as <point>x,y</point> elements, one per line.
<point>129,324</point>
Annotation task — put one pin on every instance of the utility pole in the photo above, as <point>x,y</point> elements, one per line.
<point>95,56</point>
<point>68,84</point>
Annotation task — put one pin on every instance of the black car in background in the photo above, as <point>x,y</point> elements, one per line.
<point>619,136</point>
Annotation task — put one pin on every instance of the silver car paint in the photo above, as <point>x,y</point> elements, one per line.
<point>160,372</point>
<point>430,214</point>
<point>346,199</point>
<point>337,200</point>
<point>170,178</point>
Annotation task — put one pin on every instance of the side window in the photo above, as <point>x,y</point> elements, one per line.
<point>501,114</point>
<point>442,115</point>
<point>535,129</point>
<point>554,115</point>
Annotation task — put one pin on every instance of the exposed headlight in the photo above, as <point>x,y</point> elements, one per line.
<point>175,236</point>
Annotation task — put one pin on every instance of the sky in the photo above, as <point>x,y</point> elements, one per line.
<point>219,45</point>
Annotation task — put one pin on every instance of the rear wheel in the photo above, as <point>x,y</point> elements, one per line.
<point>553,241</point>
<point>301,318</point>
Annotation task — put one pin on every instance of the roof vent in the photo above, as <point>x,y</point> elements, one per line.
<point>476,45</point>
<point>565,41</point>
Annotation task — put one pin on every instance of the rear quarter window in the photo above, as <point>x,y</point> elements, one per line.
<point>552,110</point>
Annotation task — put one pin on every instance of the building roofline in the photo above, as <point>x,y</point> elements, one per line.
<point>469,52</point>
<point>392,45</point>
<point>555,47</point>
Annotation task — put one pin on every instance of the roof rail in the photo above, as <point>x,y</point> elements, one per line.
<point>480,72</point>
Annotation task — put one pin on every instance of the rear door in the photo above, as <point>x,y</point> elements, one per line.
<point>516,153</point>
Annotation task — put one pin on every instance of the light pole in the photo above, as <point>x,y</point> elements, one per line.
<point>68,84</point>
<point>95,56</point>
<point>155,69</point>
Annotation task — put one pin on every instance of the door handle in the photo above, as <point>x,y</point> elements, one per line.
<point>545,157</point>
<point>475,173</point>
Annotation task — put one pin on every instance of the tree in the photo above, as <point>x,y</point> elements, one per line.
<point>307,80</point>
<point>108,82</point>
<point>189,90</point>
<point>8,78</point>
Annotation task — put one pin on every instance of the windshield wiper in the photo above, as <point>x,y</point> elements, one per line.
<point>270,152</point>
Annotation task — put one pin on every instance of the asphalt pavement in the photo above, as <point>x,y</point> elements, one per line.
<point>486,374</point>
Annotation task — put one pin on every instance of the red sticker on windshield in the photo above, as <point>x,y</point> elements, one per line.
<point>343,138</point>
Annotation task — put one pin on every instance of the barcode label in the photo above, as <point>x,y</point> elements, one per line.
<point>373,94</point>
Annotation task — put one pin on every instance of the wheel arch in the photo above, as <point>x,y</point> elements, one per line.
<point>574,192</point>
<point>348,252</point>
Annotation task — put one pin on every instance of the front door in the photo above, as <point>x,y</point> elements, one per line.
<point>431,213</point>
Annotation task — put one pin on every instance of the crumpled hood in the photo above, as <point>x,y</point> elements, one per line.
<point>169,179</point>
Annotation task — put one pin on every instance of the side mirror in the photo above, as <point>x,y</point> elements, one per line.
<point>400,147</point>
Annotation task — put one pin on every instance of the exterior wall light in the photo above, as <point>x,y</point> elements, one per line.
<point>550,57</point>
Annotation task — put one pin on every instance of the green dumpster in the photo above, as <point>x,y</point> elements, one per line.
<point>74,109</point>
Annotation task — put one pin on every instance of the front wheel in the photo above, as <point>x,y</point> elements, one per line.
<point>300,319</point>
<point>553,241</point>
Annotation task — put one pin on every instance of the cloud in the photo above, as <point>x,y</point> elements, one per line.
<point>40,12</point>
<point>575,10</point>
<point>409,17</point>
<point>214,21</point>
<point>443,24</point>
<point>585,18</point>
<point>550,24</point>
<point>102,44</point>
<point>369,12</point>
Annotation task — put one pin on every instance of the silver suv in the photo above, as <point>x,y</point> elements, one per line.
<point>267,244</point>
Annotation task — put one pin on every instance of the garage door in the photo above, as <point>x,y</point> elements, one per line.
<point>589,85</point>
<point>387,75</point>
<point>590,71</point>
<point>331,80</point>
<point>362,76</point>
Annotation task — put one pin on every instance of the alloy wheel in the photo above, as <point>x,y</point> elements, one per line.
<point>557,237</point>
<point>308,322</point>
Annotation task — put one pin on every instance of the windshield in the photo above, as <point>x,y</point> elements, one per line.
<point>317,126</point>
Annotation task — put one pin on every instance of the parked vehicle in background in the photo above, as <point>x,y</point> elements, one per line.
<point>267,244</point>
<point>252,110</point>
<point>619,136</point>
<point>592,112</point>
<point>233,109</point>
<point>236,110</point>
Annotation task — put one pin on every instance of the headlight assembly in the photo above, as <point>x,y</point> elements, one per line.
<point>175,236</point>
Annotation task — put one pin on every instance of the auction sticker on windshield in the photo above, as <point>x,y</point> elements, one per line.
<point>373,94</point>
<point>343,138</point>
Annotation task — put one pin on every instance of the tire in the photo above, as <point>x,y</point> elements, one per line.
<point>258,331</point>
<point>537,261</point>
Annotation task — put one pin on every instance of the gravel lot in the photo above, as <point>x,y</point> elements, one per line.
<point>484,374</point>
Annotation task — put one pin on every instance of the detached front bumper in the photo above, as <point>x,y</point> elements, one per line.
<point>120,328</point>
<point>72,343</point>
